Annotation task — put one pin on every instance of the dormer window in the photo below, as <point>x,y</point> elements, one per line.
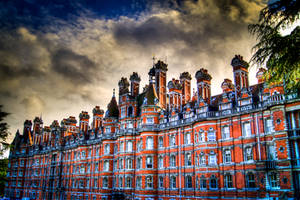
<point>149,120</point>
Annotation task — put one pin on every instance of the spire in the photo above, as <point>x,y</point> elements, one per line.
<point>151,97</point>
<point>112,107</point>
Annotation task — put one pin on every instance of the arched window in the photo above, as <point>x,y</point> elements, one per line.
<point>172,140</point>
<point>106,165</point>
<point>248,154</point>
<point>149,143</point>
<point>130,111</point>
<point>202,183</point>
<point>213,182</point>
<point>173,160</point>
<point>129,163</point>
<point>188,181</point>
<point>128,182</point>
<point>227,156</point>
<point>250,178</point>
<point>228,181</point>
<point>105,182</point>
<point>149,182</point>
<point>160,162</point>
<point>106,149</point>
<point>129,146</point>
<point>161,182</point>
<point>188,159</point>
<point>160,142</point>
<point>149,162</point>
<point>173,182</point>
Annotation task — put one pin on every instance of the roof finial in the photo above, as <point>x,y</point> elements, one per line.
<point>153,58</point>
<point>114,92</point>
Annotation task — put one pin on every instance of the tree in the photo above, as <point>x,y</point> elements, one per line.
<point>280,53</point>
<point>3,132</point>
<point>3,178</point>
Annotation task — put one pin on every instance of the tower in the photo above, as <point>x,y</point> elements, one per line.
<point>161,69</point>
<point>203,84</point>
<point>135,84</point>
<point>185,80</point>
<point>240,73</point>
<point>97,117</point>
<point>260,75</point>
<point>84,121</point>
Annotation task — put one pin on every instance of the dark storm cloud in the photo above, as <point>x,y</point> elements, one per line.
<point>75,67</point>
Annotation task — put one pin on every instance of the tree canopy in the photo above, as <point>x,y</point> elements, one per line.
<point>3,131</point>
<point>281,54</point>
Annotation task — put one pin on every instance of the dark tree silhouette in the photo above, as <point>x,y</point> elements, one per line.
<point>280,53</point>
<point>3,131</point>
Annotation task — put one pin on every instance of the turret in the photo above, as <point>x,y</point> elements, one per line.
<point>84,121</point>
<point>161,69</point>
<point>260,75</point>
<point>185,80</point>
<point>175,93</point>
<point>203,84</point>
<point>135,84</point>
<point>240,73</point>
<point>97,117</point>
<point>227,85</point>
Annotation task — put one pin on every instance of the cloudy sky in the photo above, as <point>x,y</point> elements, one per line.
<point>58,58</point>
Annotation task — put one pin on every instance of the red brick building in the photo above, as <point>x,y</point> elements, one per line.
<point>166,143</point>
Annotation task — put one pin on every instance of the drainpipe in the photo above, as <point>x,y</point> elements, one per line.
<point>179,166</point>
<point>258,136</point>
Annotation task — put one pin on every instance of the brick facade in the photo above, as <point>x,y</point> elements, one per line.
<point>241,144</point>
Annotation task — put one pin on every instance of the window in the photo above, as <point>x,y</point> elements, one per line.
<point>172,140</point>
<point>271,154</point>
<point>106,149</point>
<point>213,182</point>
<point>188,159</point>
<point>139,182</point>
<point>88,168</point>
<point>188,138</point>
<point>149,143</point>
<point>173,182</point>
<point>89,154</point>
<point>228,181</point>
<point>115,165</point>
<point>227,156</point>
<point>273,179</point>
<point>202,136</point>
<point>121,165</point>
<point>130,111</point>
<point>107,130</point>
<point>250,178</point>
<point>161,182</point>
<point>129,163</point>
<point>139,146</point>
<point>129,146</point>
<point>226,132</point>
<point>115,148</point>
<point>203,183</point>
<point>173,161</point>
<point>97,151</point>
<point>149,161</point>
<point>160,162</point>
<point>138,163</point>
<point>96,167</point>
<point>212,159</point>
<point>248,154</point>
<point>106,165</point>
<point>105,182</point>
<point>121,182</point>
<point>149,182</point>
<point>123,112</point>
<point>202,159</point>
<point>188,181</point>
<point>122,146</point>
<point>128,183</point>
<point>268,125</point>
<point>149,120</point>
<point>82,169</point>
<point>160,142</point>
<point>247,129</point>
<point>95,183</point>
<point>211,136</point>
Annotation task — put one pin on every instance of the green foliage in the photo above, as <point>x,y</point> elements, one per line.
<point>3,131</point>
<point>280,53</point>
<point>3,179</point>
